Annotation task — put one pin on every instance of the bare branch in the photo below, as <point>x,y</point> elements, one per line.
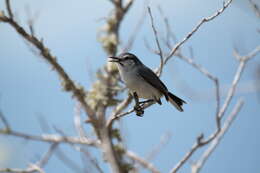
<point>68,83</point>
<point>110,41</point>
<point>9,10</point>
<point>144,163</point>
<point>195,29</point>
<point>120,107</point>
<point>128,5</point>
<point>106,142</point>
<point>205,72</point>
<point>31,168</point>
<point>196,167</point>
<point>195,65</point>
<point>157,42</point>
<point>200,142</point>
<point>31,19</point>
<point>15,170</point>
<point>186,157</point>
<point>255,8</point>
<point>41,163</point>
<point>51,138</point>
<point>98,117</point>
<point>243,60</point>
<point>120,115</point>
<point>4,120</point>
<point>77,121</point>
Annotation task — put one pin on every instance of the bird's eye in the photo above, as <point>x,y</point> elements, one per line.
<point>126,57</point>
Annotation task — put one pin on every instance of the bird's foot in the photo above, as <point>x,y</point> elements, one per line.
<point>139,110</point>
<point>146,101</point>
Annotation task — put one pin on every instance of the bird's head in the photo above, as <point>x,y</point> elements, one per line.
<point>126,60</point>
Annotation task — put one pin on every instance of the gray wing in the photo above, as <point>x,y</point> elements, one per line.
<point>150,77</point>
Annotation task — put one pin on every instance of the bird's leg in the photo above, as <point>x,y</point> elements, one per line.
<point>146,101</point>
<point>138,109</point>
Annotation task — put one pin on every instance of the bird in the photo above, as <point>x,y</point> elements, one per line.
<point>143,82</point>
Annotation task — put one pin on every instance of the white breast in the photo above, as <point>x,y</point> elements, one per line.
<point>137,84</point>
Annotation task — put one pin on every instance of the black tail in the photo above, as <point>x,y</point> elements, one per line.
<point>176,101</point>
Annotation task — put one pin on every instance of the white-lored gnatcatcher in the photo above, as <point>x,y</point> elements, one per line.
<point>143,82</point>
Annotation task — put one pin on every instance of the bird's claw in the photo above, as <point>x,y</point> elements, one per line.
<point>139,110</point>
<point>146,101</point>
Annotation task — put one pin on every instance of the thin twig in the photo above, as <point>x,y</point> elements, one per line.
<point>128,5</point>
<point>9,10</point>
<point>31,168</point>
<point>120,115</point>
<point>16,170</point>
<point>243,60</point>
<point>116,112</point>
<point>255,8</point>
<point>51,138</point>
<point>77,121</point>
<point>157,43</point>
<point>4,120</point>
<point>144,163</point>
<point>31,20</point>
<point>200,68</point>
<point>41,163</point>
<point>195,29</point>
<point>196,166</point>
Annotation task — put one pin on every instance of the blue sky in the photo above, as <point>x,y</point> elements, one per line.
<point>30,89</point>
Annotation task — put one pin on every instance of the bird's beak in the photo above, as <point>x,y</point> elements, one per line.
<point>114,59</point>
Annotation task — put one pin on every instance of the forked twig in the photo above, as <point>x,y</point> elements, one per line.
<point>200,142</point>
<point>196,166</point>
